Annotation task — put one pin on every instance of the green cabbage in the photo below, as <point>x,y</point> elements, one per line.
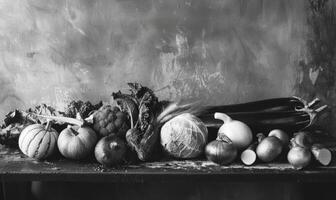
<point>184,136</point>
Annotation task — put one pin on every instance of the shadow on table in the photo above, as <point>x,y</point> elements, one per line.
<point>167,191</point>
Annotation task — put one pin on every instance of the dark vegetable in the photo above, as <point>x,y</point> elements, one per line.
<point>267,105</point>
<point>147,116</point>
<point>111,150</point>
<point>266,121</point>
<point>110,120</point>
<point>81,107</point>
<point>221,151</point>
<point>289,114</point>
<point>143,108</point>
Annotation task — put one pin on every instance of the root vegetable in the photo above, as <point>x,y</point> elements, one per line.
<point>249,155</point>
<point>111,150</point>
<point>299,157</point>
<point>221,151</point>
<point>269,148</point>
<point>303,139</point>
<point>322,155</point>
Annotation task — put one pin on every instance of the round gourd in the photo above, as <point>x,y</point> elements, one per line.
<point>76,142</point>
<point>38,141</point>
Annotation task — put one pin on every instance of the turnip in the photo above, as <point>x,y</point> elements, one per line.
<point>269,148</point>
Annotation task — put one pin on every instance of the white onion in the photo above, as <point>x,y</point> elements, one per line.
<point>238,132</point>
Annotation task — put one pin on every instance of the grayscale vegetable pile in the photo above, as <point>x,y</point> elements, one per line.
<point>137,127</point>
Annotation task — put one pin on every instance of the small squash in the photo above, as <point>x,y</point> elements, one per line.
<point>76,142</point>
<point>38,141</point>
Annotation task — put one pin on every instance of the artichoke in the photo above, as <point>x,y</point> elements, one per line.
<point>110,120</point>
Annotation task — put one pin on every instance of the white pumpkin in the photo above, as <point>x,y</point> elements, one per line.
<point>38,141</point>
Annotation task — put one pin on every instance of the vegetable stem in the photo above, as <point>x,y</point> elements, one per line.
<point>63,119</point>
<point>260,137</point>
<point>75,132</point>
<point>224,117</point>
<point>48,126</point>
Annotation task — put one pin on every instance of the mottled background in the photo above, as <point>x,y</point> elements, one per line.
<point>222,51</point>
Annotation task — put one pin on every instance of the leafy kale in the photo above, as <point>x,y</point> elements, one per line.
<point>142,107</point>
<point>81,107</point>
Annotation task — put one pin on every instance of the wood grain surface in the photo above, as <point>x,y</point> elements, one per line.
<point>15,166</point>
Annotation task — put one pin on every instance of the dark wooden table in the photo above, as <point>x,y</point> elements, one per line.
<point>15,167</point>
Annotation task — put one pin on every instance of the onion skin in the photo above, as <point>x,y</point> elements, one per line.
<point>220,152</point>
<point>299,157</point>
<point>269,148</point>
<point>110,151</point>
<point>303,139</point>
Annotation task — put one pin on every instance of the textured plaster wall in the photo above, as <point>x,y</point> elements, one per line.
<point>222,51</point>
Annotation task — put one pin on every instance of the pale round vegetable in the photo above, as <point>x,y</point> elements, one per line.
<point>238,132</point>
<point>76,142</point>
<point>38,141</point>
<point>322,155</point>
<point>269,148</point>
<point>248,157</point>
<point>184,136</point>
<point>299,157</point>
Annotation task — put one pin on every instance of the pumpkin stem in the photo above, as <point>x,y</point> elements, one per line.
<point>48,126</point>
<point>73,130</point>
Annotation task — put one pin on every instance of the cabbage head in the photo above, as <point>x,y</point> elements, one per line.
<point>184,136</point>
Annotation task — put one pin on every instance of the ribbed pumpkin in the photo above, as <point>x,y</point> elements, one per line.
<point>38,141</point>
<point>76,142</point>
